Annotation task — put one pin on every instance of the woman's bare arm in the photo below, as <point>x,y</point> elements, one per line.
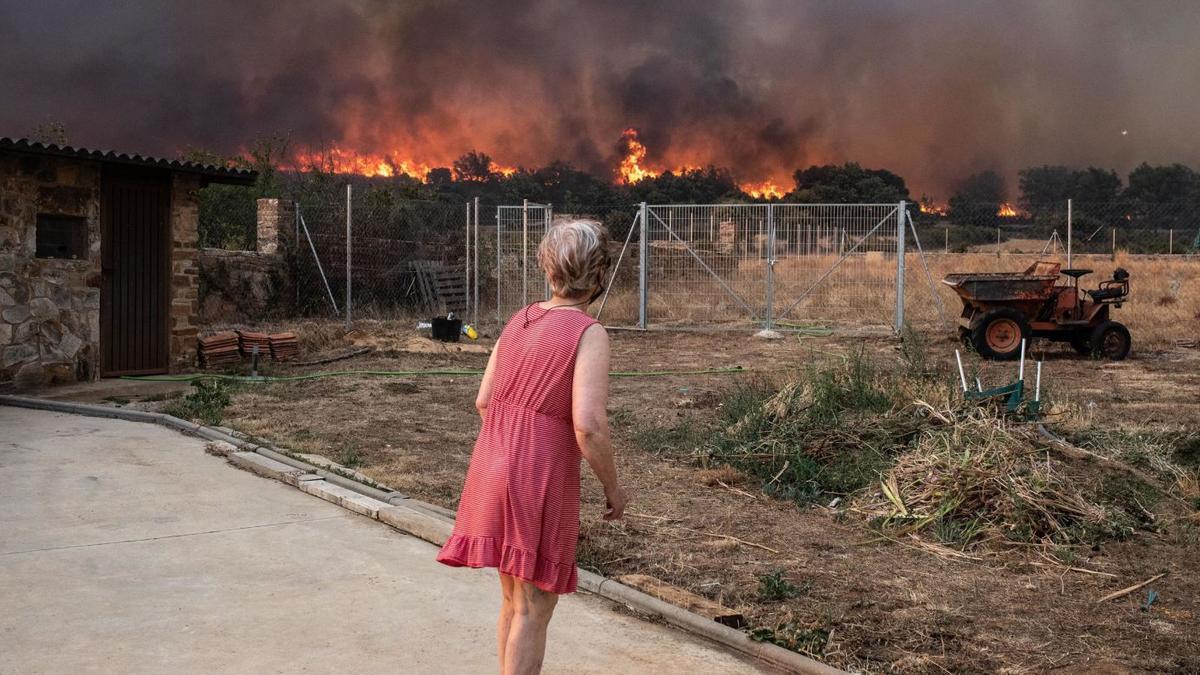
<point>589,413</point>
<point>485,387</point>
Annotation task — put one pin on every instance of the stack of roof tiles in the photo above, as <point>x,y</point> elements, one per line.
<point>219,349</point>
<point>284,346</point>
<point>249,340</point>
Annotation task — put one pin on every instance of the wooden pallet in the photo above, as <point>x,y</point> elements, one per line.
<point>443,289</point>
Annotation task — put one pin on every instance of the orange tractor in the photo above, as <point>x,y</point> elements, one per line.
<point>1001,309</point>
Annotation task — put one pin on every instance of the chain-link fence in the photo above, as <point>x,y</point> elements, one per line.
<point>380,257</point>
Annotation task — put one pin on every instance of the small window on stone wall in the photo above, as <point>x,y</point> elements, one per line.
<point>63,237</point>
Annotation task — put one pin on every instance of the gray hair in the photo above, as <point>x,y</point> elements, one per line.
<point>574,256</point>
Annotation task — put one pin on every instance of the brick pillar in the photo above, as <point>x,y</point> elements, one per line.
<point>276,225</point>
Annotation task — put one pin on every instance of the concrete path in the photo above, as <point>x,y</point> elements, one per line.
<point>125,548</point>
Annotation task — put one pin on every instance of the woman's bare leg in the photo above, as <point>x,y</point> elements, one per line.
<point>506,617</point>
<point>532,609</point>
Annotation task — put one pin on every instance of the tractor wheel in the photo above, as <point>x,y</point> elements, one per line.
<point>1081,341</point>
<point>1110,340</point>
<point>999,333</point>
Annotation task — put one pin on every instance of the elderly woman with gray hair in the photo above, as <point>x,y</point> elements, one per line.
<point>544,402</point>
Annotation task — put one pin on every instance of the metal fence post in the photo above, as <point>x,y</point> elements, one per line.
<point>525,252</point>
<point>1069,237</point>
<point>770,267</point>
<point>475,317</point>
<point>467,262</point>
<point>900,267</point>
<point>643,267</point>
<point>499,276</point>
<point>349,244</point>
<point>547,222</point>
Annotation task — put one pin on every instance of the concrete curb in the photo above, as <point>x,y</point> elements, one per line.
<point>426,521</point>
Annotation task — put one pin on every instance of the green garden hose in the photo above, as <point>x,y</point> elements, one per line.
<point>192,377</point>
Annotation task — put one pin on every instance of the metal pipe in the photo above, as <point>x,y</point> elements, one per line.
<point>525,253</point>
<point>1037,391</point>
<point>978,384</point>
<point>349,280</point>
<point>499,277</point>
<point>961,375</point>
<point>1021,368</point>
<point>770,265</point>
<point>1069,234</point>
<point>475,317</point>
<point>643,271</point>
<point>467,262</point>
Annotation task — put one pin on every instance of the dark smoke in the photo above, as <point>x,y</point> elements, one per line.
<point>930,89</point>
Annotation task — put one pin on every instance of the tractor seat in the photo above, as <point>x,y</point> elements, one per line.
<point>1075,273</point>
<point>1109,293</point>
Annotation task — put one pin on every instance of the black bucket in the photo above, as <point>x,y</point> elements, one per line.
<point>446,330</point>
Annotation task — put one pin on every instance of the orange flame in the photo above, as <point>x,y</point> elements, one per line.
<point>631,170</point>
<point>766,189</point>
<point>336,160</point>
<point>934,208</point>
<point>1006,211</point>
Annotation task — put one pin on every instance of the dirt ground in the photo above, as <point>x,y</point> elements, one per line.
<point>884,606</point>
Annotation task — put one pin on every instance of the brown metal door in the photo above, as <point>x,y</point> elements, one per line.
<point>135,250</point>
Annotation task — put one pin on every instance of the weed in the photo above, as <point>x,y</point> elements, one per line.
<point>772,587</point>
<point>205,404</point>
<point>793,636</point>
<point>350,458</point>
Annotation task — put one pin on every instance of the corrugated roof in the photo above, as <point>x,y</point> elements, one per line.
<point>219,174</point>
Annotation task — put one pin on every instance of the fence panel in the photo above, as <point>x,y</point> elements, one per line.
<point>707,264</point>
<point>835,263</point>
<point>518,279</point>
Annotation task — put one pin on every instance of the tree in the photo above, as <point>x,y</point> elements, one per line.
<point>1047,187</point>
<point>847,184</point>
<point>1173,184</point>
<point>977,198</point>
<point>473,166</point>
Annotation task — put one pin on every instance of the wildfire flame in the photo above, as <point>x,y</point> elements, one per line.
<point>631,170</point>
<point>336,160</point>
<point>934,208</point>
<point>1006,211</point>
<point>763,190</point>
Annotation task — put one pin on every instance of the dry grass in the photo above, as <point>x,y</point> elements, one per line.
<point>1164,303</point>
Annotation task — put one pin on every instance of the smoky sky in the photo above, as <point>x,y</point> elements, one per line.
<point>930,89</point>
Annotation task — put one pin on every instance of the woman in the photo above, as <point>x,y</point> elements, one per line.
<point>544,401</point>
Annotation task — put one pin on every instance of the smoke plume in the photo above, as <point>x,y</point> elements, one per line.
<point>931,89</point>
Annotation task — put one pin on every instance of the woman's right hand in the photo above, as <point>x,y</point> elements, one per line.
<point>616,501</point>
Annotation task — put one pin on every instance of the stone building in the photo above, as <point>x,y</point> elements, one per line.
<point>98,262</point>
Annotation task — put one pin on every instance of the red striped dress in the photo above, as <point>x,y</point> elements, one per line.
<point>519,510</point>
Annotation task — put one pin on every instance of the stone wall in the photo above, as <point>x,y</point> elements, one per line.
<point>241,286</point>
<point>185,269</point>
<point>49,309</point>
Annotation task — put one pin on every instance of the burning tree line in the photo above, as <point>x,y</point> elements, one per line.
<point>981,199</point>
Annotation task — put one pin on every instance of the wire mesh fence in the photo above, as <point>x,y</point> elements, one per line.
<point>688,266</point>
<point>374,256</point>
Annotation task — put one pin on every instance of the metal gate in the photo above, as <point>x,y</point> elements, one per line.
<point>735,265</point>
<point>519,281</point>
